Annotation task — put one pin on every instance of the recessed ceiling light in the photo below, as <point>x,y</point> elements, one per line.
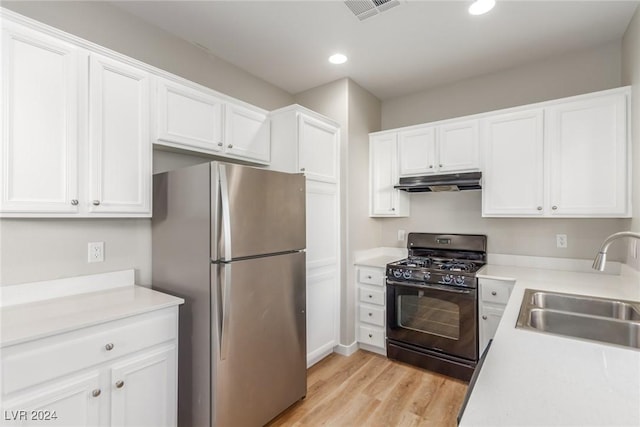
<point>480,7</point>
<point>338,58</point>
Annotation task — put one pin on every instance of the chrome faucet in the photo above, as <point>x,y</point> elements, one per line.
<point>601,258</point>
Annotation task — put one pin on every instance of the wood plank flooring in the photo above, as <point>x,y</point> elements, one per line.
<point>366,389</point>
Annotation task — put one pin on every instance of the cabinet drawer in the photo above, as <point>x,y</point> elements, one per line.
<point>372,296</point>
<point>495,291</point>
<point>373,315</point>
<point>37,361</point>
<point>371,335</point>
<point>371,276</point>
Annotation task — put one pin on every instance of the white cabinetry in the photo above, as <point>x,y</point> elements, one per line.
<point>566,158</point>
<point>119,373</point>
<point>494,295</point>
<point>304,141</point>
<point>71,146</point>
<point>196,118</point>
<point>448,147</point>
<point>514,171</point>
<point>384,200</point>
<point>371,309</point>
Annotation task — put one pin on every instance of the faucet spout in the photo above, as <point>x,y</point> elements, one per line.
<point>601,258</point>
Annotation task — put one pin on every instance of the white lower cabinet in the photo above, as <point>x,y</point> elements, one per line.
<point>494,295</point>
<point>119,373</point>
<point>371,325</point>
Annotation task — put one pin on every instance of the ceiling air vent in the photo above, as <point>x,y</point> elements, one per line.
<point>364,9</point>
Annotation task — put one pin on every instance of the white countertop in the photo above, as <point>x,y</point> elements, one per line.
<point>379,257</point>
<point>535,379</point>
<point>37,319</point>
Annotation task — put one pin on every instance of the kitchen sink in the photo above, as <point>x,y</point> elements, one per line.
<point>590,318</point>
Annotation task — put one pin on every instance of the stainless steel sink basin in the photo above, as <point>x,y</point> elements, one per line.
<point>590,318</point>
<point>587,305</point>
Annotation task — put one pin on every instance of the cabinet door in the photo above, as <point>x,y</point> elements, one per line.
<point>513,181</point>
<point>39,96</point>
<point>143,390</point>
<point>318,145</point>
<point>458,146</point>
<point>322,314</point>
<point>384,200</point>
<point>417,151</point>
<point>587,145</point>
<point>188,117</point>
<point>247,133</point>
<point>489,321</point>
<point>119,144</point>
<point>69,402</point>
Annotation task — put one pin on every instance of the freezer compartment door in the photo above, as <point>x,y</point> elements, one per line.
<point>259,358</point>
<point>255,211</point>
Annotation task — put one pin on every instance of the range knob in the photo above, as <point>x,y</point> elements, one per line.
<point>447,278</point>
<point>459,280</point>
<point>407,274</point>
<point>397,274</point>
<point>427,275</point>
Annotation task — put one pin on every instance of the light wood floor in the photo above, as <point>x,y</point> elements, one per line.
<point>366,389</point>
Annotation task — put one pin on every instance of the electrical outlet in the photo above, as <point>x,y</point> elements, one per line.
<point>96,252</point>
<point>401,235</point>
<point>561,240</point>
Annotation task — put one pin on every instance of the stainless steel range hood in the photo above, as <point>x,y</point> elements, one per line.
<point>448,182</point>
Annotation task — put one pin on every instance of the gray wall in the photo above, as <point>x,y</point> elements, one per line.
<point>581,72</point>
<point>631,76</point>
<point>45,249</point>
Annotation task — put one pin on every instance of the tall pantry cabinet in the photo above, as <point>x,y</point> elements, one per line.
<point>306,142</point>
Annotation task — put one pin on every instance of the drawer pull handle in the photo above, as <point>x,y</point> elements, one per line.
<point>370,314</point>
<point>368,277</point>
<point>494,293</point>
<point>96,203</point>
<point>109,347</point>
<point>96,392</point>
<point>484,317</point>
<point>370,335</point>
<point>370,296</point>
<point>120,384</point>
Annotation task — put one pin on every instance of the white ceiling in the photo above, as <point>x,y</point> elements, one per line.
<point>412,47</point>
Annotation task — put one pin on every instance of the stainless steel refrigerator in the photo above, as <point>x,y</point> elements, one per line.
<point>230,240</point>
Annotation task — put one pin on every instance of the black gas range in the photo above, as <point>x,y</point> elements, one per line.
<point>432,303</point>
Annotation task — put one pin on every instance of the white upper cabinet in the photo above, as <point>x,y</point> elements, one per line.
<point>318,149</point>
<point>194,118</point>
<point>76,135</point>
<point>39,95</point>
<point>188,116</point>
<point>417,151</point>
<point>449,147</point>
<point>247,133</point>
<point>458,146</point>
<point>384,200</point>
<point>513,172</point>
<point>567,158</point>
<point>119,142</point>
<point>588,166</point>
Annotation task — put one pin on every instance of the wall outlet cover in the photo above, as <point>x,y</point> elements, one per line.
<point>96,252</point>
<point>561,240</point>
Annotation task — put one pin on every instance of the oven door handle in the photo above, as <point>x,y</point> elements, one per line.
<point>444,288</point>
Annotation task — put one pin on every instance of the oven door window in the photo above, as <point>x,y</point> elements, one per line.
<point>429,315</point>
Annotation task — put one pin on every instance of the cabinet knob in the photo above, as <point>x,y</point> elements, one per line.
<point>370,314</point>
<point>96,392</point>
<point>220,144</point>
<point>370,296</point>
<point>539,208</point>
<point>494,293</point>
<point>393,209</point>
<point>440,166</point>
<point>302,169</point>
<point>119,383</point>
<point>368,277</point>
<point>230,146</point>
<point>484,317</point>
<point>74,202</point>
<point>109,346</point>
<point>370,335</point>
<point>555,208</point>
<point>430,166</point>
<point>96,202</point>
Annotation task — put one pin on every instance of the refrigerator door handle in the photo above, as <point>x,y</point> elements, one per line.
<point>226,215</point>
<point>226,304</point>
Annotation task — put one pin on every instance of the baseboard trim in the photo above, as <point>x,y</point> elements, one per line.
<point>346,350</point>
